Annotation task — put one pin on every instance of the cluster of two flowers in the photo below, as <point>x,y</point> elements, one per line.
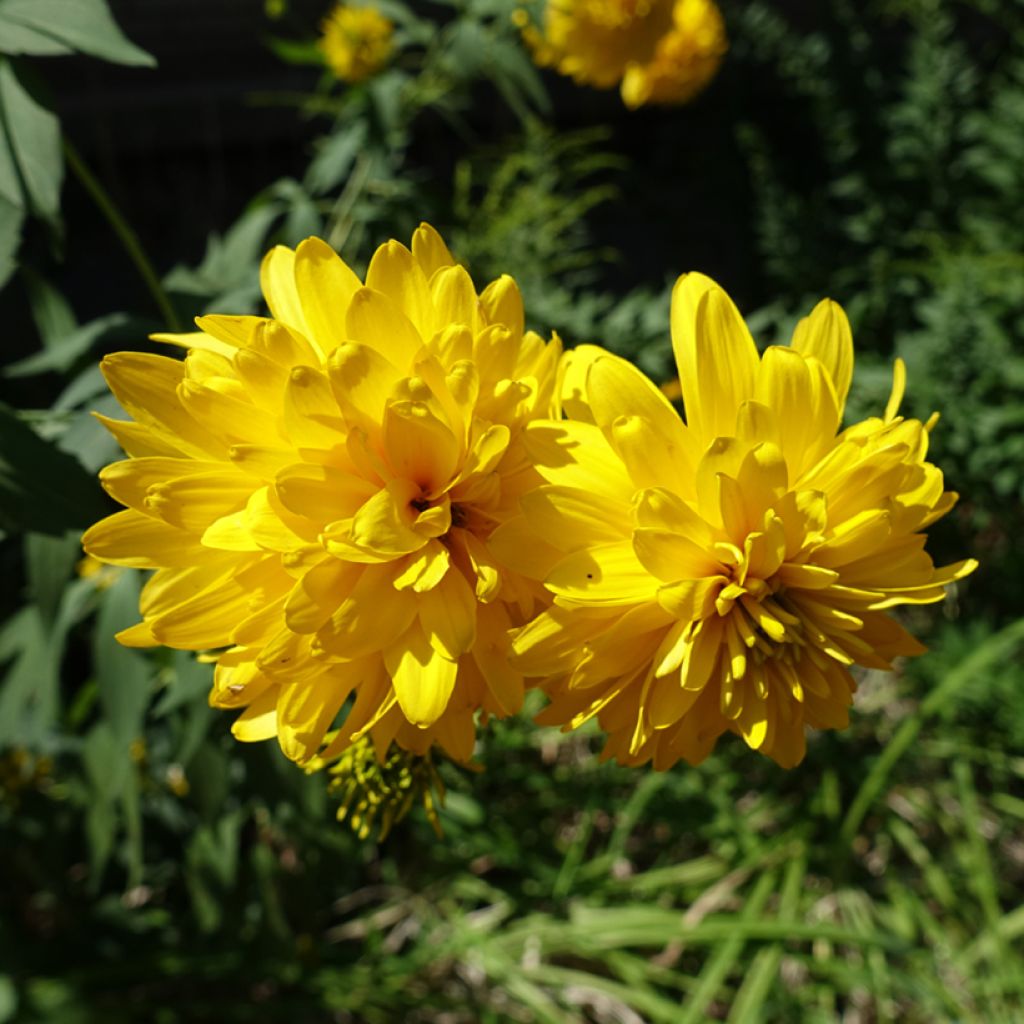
<point>387,508</point>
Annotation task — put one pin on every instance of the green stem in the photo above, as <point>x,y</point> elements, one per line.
<point>124,232</point>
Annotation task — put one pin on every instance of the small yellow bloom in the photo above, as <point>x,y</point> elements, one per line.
<point>661,51</point>
<point>356,42</point>
<point>685,59</point>
<point>726,573</point>
<point>102,576</point>
<point>316,491</point>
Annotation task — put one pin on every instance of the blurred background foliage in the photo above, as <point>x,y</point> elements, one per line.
<point>153,869</point>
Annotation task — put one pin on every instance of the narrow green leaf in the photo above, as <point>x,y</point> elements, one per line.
<point>11,219</point>
<point>761,975</point>
<point>50,562</point>
<point>996,648</point>
<point>725,957</point>
<point>123,675</point>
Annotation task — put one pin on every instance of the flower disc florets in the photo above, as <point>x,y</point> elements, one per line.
<point>723,574</point>
<point>317,490</point>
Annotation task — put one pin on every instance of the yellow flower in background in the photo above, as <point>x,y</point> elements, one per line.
<point>661,51</point>
<point>356,42</point>
<point>724,574</point>
<point>685,59</point>
<point>316,491</point>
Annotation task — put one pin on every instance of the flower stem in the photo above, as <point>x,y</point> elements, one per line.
<point>124,232</point>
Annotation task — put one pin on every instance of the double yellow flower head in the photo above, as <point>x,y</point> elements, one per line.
<point>387,508</point>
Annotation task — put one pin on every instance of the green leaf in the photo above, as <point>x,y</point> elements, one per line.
<point>11,219</point>
<point>42,489</point>
<point>51,312</point>
<point>292,51</point>
<point>122,675</point>
<point>48,28</point>
<point>32,171</point>
<point>8,999</point>
<point>50,562</point>
<point>29,694</point>
<point>62,353</point>
<point>334,158</point>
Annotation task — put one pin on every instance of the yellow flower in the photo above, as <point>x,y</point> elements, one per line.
<point>726,573</point>
<point>356,42</point>
<point>661,51</point>
<point>317,489</point>
<point>685,60</point>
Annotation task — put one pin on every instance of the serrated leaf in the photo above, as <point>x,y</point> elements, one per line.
<point>55,27</point>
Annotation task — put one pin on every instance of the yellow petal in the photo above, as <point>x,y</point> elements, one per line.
<point>322,494</point>
<point>194,502</point>
<point>422,678</point>
<point>378,322</point>
<point>671,556</point>
<point>617,390</point>
<point>325,286</point>
<point>394,273</point>
<point>429,250</point>
<point>608,574</point>
<point>475,556</point>
<point>826,336</point>
<point>311,417</point>
<point>572,454</point>
<point>319,593</point>
<point>372,616</point>
<point>693,599</point>
<point>259,720</point>
<point>424,569</point>
<point>139,440</point>
<point>715,356</point>
<point>517,546</point>
<point>385,522</point>
<point>448,615</point>
<point>277,280</point>
<point>419,447</point>
<point>503,304</point>
<point>362,380</point>
<point>147,388</point>
<point>454,298</point>
<point>572,518</point>
<point>138,541</point>
<point>306,710</point>
<point>899,385</point>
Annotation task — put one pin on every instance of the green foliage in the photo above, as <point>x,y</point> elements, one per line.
<point>31,165</point>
